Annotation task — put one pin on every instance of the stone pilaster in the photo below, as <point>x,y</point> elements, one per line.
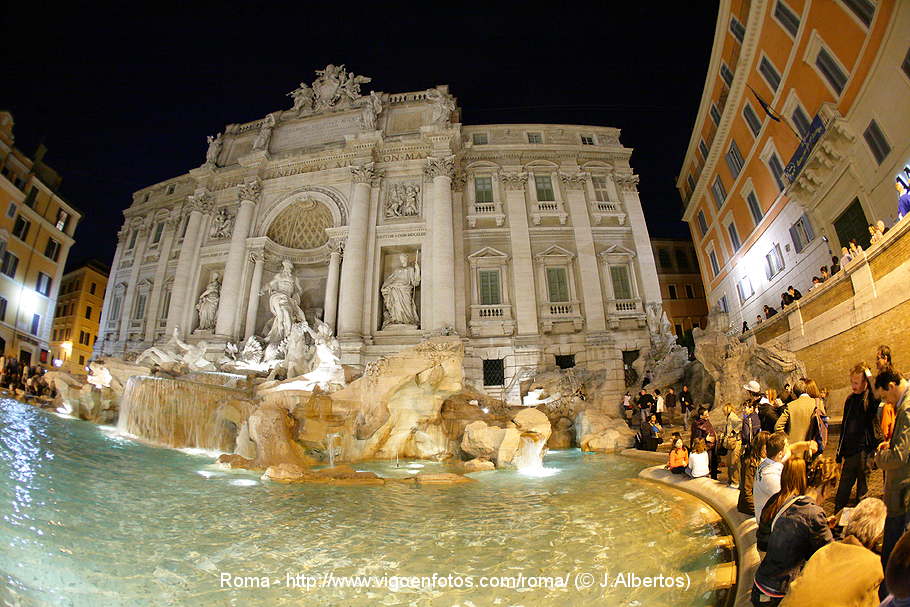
<point>647,269</point>
<point>330,314</point>
<point>441,171</point>
<point>200,204</point>
<point>109,292</point>
<point>591,292</point>
<point>126,312</point>
<point>252,308</point>
<point>353,270</point>
<point>229,302</point>
<point>516,185</point>
<point>164,255</point>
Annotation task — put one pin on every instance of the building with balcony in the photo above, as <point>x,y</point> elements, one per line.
<point>398,222</point>
<point>36,233</point>
<point>770,201</point>
<point>681,288</point>
<point>77,315</point>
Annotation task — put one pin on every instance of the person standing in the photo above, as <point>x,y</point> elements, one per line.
<point>685,405</point>
<point>659,406</point>
<point>893,457</point>
<point>670,404</point>
<point>856,447</point>
<point>732,444</point>
<point>796,419</point>
<point>767,475</point>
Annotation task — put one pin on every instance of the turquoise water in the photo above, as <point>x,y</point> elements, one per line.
<point>89,518</point>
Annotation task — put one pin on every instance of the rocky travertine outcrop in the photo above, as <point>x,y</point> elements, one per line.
<point>732,363</point>
<point>599,431</point>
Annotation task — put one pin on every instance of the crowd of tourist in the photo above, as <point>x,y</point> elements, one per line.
<point>775,452</point>
<point>22,379</point>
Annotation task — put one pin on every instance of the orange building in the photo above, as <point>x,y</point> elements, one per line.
<point>769,201</point>
<point>36,233</point>
<point>78,315</point>
<point>681,289</point>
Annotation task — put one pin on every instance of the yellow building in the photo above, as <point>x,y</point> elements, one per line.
<point>681,288</point>
<point>78,315</point>
<point>36,233</point>
<point>770,199</point>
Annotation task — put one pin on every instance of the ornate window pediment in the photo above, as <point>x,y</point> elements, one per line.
<point>556,254</point>
<point>488,256</point>
<point>617,253</point>
<point>302,225</point>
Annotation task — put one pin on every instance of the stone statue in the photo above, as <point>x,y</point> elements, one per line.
<point>284,302</point>
<point>207,304</point>
<point>398,294</point>
<point>370,111</point>
<point>215,143</point>
<point>403,201</point>
<point>351,86</point>
<point>443,106</point>
<point>222,224</point>
<point>265,133</point>
<point>176,352</point>
<point>303,98</point>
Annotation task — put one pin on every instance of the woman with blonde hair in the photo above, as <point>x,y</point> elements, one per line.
<point>699,465</point>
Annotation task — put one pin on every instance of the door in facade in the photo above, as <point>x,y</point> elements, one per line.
<point>25,358</point>
<point>852,223</point>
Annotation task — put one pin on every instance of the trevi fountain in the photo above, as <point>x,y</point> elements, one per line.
<point>271,462</point>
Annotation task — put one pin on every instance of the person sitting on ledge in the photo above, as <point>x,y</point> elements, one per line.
<point>825,275</point>
<point>796,295</point>
<point>698,466</point>
<point>854,562</point>
<point>758,319</point>
<point>769,311</point>
<point>785,300</point>
<point>835,265</point>
<point>815,282</point>
<point>679,457</point>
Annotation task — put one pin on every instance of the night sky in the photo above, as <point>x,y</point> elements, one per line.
<point>123,99</point>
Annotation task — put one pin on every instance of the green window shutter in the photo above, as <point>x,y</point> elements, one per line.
<point>483,189</point>
<point>489,287</point>
<point>622,288</point>
<point>544,188</point>
<point>557,284</point>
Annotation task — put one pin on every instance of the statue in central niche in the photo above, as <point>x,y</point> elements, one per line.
<point>398,293</point>
<point>284,302</point>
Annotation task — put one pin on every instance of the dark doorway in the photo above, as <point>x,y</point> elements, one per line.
<point>852,223</point>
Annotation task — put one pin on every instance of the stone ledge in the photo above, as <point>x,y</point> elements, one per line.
<point>722,499</point>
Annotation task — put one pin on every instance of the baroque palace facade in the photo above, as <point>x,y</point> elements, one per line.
<point>528,240</point>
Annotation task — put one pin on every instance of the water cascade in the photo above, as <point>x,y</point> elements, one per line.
<point>181,413</point>
<point>529,459</point>
<point>330,448</point>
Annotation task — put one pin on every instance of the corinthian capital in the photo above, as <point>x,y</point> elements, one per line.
<point>202,201</point>
<point>627,182</point>
<point>514,181</point>
<point>365,173</point>
<point>440,167</point>
<point>574,181</point>
<point>250,190</point>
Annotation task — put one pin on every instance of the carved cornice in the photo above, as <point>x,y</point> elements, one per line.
<point>440,167</point>
<point>574,181</point>
<point>251,190</point>
<point>514,181</point>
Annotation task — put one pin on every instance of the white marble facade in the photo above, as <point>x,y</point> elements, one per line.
<point>528,240</point>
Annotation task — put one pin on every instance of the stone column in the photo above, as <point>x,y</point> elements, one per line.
<point>353,270</point>
<point>591,293</point>
<point>647,269</point>
<point>200,204</point>
<point>330,307</point>
<point>442,239</point>
<point>126,312</point>
<point>516,185</point>
<point>252,308</point>
<point>164,255</point>
<point>233,270</point>
<point>109,292</point>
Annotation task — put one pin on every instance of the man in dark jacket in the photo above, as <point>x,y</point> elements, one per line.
<point>670,403</point>
<point>751,427</point>
<point>685,405</point>
<point>857,444</point>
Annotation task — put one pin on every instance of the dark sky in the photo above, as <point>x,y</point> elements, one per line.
<point>124,99</point>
